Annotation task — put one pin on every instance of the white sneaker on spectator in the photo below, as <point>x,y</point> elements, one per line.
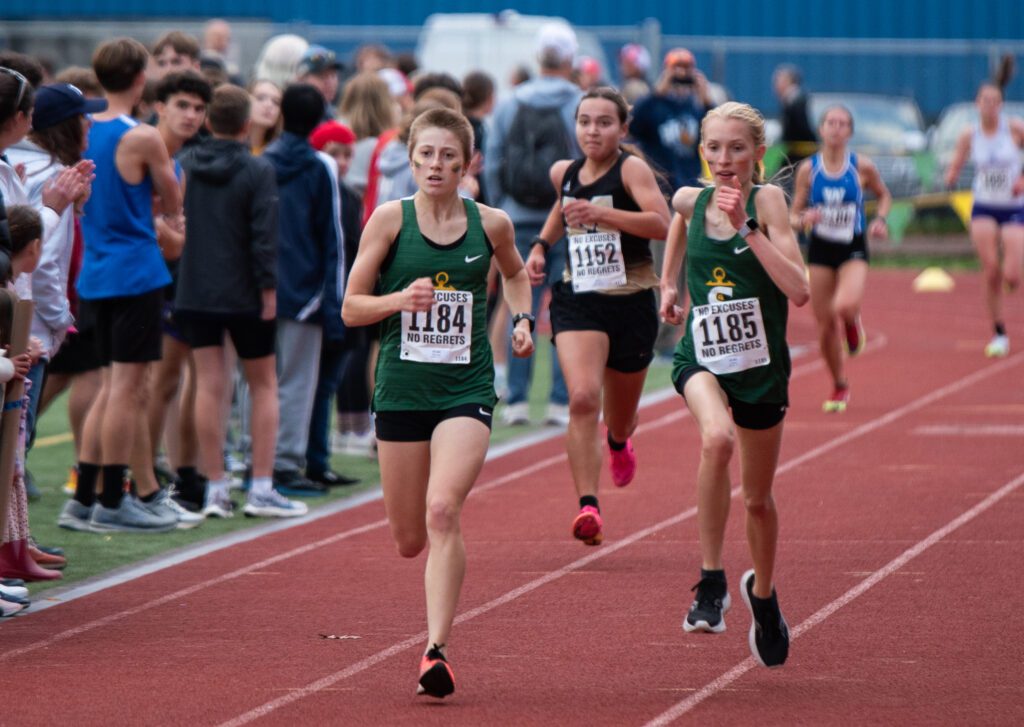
<point>218,504</point>
<point>516,414</point>
<point>164,504</point>
<point>273,504</point>
<point>557,415</point>
<point>363,445</point>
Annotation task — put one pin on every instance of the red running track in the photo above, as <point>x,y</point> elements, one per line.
<point>900,536</point>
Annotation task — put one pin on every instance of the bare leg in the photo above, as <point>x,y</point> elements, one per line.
<point>1013,255</point>
<point>853,278</point>
<point>404,474</point>
<point>621,399</point>
<point>823,290</point>
<point>122,411</point>
<point>985,236</point>
<point>457,453</point>
<point>208,424</point>
<point>708,404</point>
<point>759,457</point>
<point>56,384</point>
<point>261,374</point>
<point>91,448</point>
<point>582,355</point>
<point>165,381</point>
<point>187,436</point>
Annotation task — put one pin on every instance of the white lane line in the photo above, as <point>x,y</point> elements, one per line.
<point>730,676</point>
<point>979,430</point>
<point>654,397</point>
<point>828,610</point>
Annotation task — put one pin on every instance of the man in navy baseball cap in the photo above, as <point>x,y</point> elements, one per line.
<point>62,101</point>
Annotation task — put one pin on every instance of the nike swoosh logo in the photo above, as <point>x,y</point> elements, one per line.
<point>740,250</point>
<point>484,412</point>
<point>473,259</point>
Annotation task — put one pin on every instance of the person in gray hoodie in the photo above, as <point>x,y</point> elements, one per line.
<point>227,282</point>
<point>552,90</point>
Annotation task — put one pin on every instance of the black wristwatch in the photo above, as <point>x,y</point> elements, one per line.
<point>527,316</point>
<point>748,226</point>
<point>538,240</point>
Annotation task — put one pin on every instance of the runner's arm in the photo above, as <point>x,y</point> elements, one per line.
<point>672,306</point>
<point>960,152</point>
<point>872,181</point>
<point>778,250</point>
<point>360,306</point>
<point>800,217</point>
<point>553,230</point>
<point>516,284</point>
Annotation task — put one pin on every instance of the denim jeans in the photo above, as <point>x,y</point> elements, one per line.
<point>520,370</point>
<point>318,450</point>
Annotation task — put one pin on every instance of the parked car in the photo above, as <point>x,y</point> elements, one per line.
<point>888,129</point>
<point>942,138</point>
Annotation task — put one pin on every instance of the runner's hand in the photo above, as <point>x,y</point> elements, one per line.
<point>581,213</point>
<point>522,340</point>
<point>730,201</point>
<point>535,265</point>
<point>671,312</point>
<point>418,296</point>
<point>878,229</point>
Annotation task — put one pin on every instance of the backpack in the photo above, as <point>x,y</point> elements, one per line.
<point>536,140</point>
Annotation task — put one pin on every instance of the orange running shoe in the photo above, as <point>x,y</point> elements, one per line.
<point>436,676</point>
<point>587,526</point>
<point>836,404</point>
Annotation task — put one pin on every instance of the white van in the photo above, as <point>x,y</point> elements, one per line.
<point>458,43</point>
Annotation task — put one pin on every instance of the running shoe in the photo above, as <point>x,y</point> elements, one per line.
<point>769,632</point>
<point>218,504</point>
<point>516,415</point>
<point>622,464</point>
<point>436,676</point>
<point>998,347</point>
<point>165,504</point>
<point>557,415</point>
<point>11,607</point>
<point>75,516</point>
<point>71,483</point>
<point>273,504</point>
<point>13,592</point>
<point>855,338</point>
<point>587,526</point>
<point>710,604</point>
<point>837,402</point>
<point>131,516</point>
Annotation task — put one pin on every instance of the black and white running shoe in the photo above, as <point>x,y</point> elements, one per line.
<point>769,633</point>
<point>709,606</point>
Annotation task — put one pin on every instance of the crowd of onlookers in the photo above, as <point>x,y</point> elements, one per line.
<point>184,228</point>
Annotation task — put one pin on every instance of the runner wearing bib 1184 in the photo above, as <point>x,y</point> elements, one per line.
<point>994,146</point>
<point>743,267</point>
<point>828,198</point>
<point>434,394</point>
<point>603,312</point>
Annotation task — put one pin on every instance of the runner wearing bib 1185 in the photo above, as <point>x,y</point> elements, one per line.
<point>994,146</point>
<point>743,267</point>
<point>828,198</point>
<point>434,393</point>
<point>603,312</point>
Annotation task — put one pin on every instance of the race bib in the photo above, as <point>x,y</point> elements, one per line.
<point>729,336</point>
<point>441,335</point>
<point>996,184</point>
<point>596,261</point>
<point>837,222</point>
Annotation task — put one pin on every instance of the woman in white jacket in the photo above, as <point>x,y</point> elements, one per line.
<point>56,142</point>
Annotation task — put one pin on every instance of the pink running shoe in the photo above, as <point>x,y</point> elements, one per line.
<point>622,464</point>
<point>856,340</point>
<point>587,526</point>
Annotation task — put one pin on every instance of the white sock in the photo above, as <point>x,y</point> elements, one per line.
<point>261,485</point>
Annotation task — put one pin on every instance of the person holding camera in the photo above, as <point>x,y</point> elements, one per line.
<point>666,124</point>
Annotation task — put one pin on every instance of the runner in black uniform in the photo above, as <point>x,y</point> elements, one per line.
<point>603,312</point>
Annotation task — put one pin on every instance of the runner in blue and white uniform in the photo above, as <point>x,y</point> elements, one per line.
<point>828,199</point>
<point>994,147</point>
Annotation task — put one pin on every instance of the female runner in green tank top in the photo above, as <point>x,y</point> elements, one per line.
<point>434,392</point>
<point>743,266</point>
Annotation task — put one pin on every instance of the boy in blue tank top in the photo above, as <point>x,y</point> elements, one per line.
<point>121,287</point>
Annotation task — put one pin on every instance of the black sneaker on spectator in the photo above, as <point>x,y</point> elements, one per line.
<point>769,632</point>
<point>331,478</point>
<point>711,603</point>
<point>295,484</point>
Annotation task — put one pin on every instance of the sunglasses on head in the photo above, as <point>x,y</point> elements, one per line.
<point>22,84</point>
